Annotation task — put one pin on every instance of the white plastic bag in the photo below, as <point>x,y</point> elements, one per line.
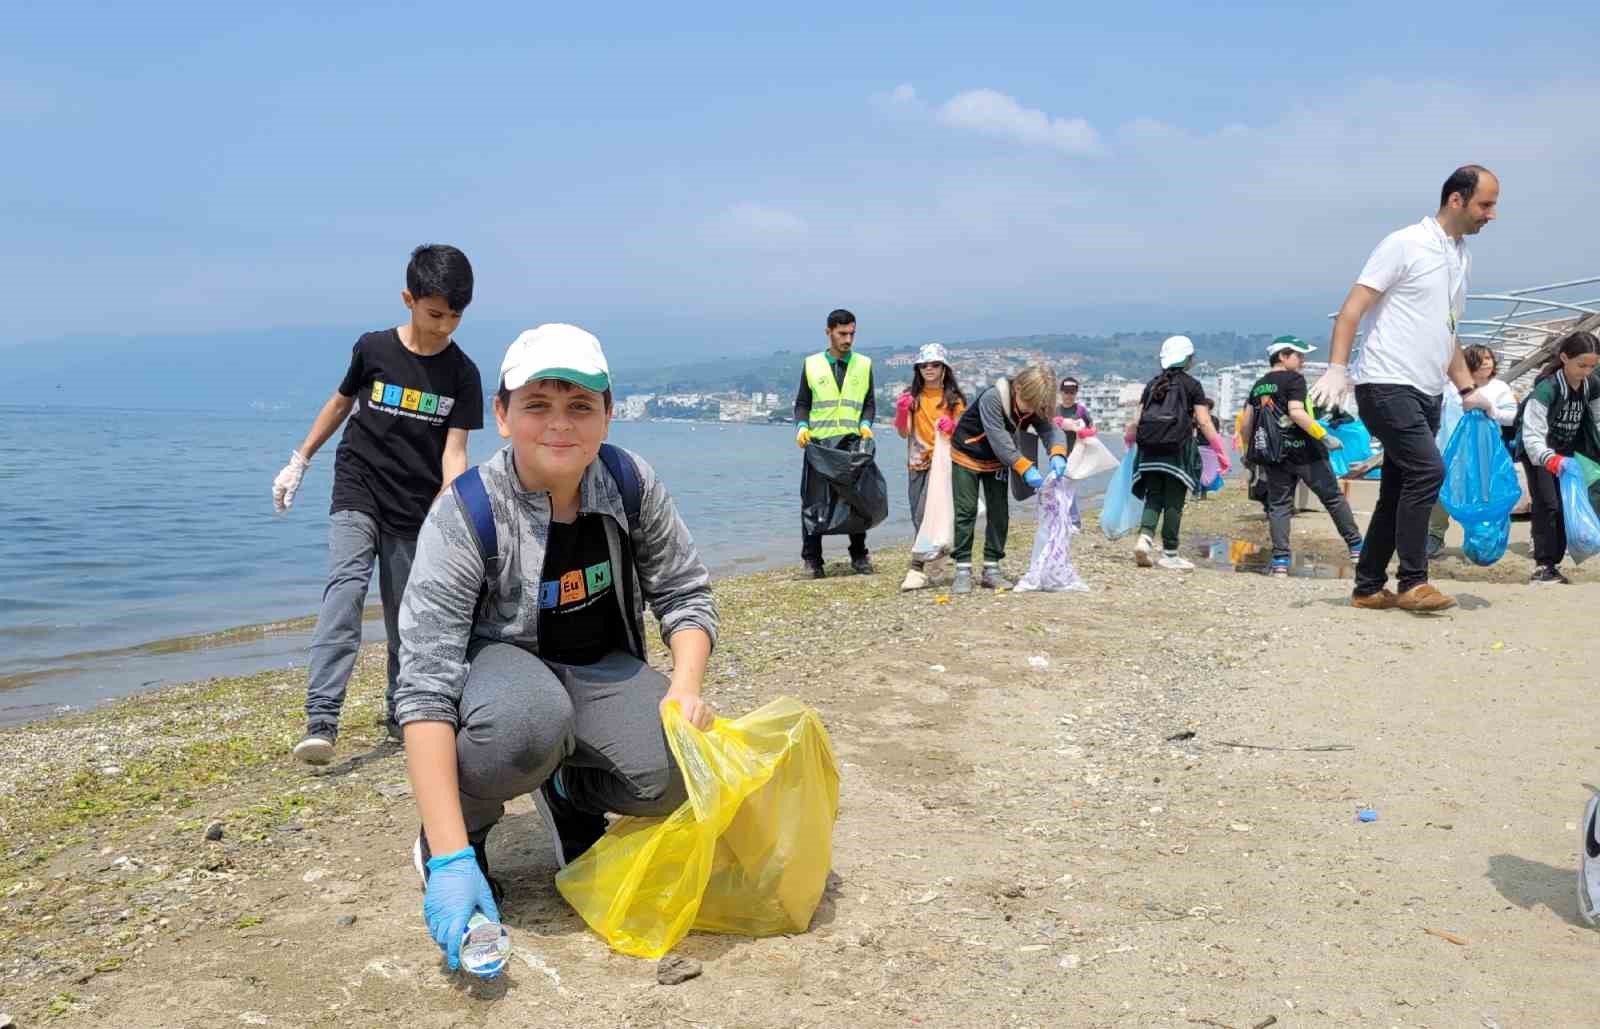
<point>937,533</point>
<point>1051,568</point>
<point>1089,458</point>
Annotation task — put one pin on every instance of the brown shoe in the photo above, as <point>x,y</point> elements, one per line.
<point>1383,600</point>
<point>1424,598</point>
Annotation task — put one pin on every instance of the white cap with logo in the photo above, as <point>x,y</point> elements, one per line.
<point>556,351</point>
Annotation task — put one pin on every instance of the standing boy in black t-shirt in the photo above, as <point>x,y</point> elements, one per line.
<point>415,395</point>
<point>1281,394</point>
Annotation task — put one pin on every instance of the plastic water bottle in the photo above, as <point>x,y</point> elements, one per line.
<point>485,946</point>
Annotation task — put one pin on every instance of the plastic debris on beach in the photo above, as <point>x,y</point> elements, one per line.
<point>1051,569</point>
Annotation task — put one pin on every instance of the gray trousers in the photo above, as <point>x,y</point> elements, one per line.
<point>520,718</point>
<point>354,542</point>
<point>1318,477</point>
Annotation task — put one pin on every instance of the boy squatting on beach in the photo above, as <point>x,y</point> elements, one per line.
<point>526,673</point>
<point>415,397</point>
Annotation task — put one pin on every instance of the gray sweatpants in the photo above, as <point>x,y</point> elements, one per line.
<point>1318,477</point>
<point>520,718</point>
<point>354,542</point>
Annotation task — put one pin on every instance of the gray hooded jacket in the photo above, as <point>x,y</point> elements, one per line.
<point>447,602</point>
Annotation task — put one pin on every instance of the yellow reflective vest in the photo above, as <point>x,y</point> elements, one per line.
<point>836,411</point>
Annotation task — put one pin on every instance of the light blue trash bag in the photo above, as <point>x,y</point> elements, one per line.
<point>1449,418</point>
<point>1120,513</point>
<point>1583,526</point>
<point>1480,487</point>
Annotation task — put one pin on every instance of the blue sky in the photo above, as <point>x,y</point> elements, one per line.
<point>721,176</point>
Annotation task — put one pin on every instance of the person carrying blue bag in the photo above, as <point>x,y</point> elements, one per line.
<point>1560,418</point>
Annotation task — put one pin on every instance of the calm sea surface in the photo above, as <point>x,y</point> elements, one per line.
<point>140,546</point>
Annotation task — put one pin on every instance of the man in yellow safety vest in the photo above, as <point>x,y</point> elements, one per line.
<point>835,399</point>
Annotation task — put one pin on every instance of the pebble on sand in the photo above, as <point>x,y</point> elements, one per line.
<point>214,831</point>
<point>674,970</point>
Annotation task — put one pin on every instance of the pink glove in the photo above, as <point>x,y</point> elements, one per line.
<point>1061,423</point>
<point>945,426</point>
<point>902,412</point>
<point>1131,435</point>
<point>1223,463</point>
<point>1087,432</point>
<point>1554,463</point>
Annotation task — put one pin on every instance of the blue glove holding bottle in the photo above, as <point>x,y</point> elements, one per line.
<point>1058,466</point>
<point>1033,478</point>
<point>456,889</point>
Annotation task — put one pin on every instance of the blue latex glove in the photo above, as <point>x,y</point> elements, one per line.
<point>456,888</point>
<point>1058,466</point>
<point>1033,478</point>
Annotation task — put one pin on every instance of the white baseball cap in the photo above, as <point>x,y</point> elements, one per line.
<point>1175,350</point>
<point>556,351</point>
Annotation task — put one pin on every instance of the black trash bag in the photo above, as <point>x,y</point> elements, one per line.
<point>841,489</point>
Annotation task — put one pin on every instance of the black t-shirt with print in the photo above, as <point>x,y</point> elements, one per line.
<point>389,460</point>
<point>1283,386</point>
<point>580,620</point>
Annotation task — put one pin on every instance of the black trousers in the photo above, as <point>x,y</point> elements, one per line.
<point>1549,525</point>
<point>811,548</point>
<point>1405,420</point>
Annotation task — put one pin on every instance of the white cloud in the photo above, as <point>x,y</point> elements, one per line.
<point>995,114</point>
<point>751,224</point>
<point>905,93</point>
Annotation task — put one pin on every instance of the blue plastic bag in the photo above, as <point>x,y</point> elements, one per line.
<point>1583,526</point>
<point>1357,446</point>
<point>1480,487</point>
<point>1120,513</point>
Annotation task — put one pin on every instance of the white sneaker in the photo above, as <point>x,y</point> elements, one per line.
<point>314,750</point>
<point>1589,865</point>
<point>1143,550</point>
<point>915,580</point>
<point>1175,563</point>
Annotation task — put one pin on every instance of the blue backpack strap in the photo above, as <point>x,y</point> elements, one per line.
<point>626,475</point>
<point>474,500</point>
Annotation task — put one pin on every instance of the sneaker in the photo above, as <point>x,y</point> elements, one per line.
<point>963,580</point>
<point>1548,573</point>
<point>1424,598</point>
<point>1383,600</point>
<point>1589,865</point>
<point>992,578</point>
<point>1279,569</point>
<point>1435,546</point>
<point>1170,560</point>
<point>1144,551</point>
<point>1355,553</point>
<point>815,570</point>
<point>420,853</point>
<point>916,579</point>
<point>317,746</point>
<point>862,566</point>
<point>396,734</point>
<point>572,832</point>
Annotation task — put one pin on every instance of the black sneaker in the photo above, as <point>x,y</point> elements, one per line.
<point>572,832</point>
<point>397,735</point>
<point>421,853</point>
<point>862,566</point>
<point>816,570</point>
<point>1548,573</point>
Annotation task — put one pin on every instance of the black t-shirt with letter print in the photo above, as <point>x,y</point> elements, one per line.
<point>389,460</point>
<point>1283,386</point>
<point>580,619</point>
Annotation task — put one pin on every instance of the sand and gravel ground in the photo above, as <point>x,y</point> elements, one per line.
<point>1156,828</point>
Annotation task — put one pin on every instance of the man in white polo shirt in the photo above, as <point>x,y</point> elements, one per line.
<point>1414,287</point>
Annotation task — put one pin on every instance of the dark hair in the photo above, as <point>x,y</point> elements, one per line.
<point>1476,354</point>
<point>439,270</point>
<point>840,317</point>
<point>1463,180</point>
<point>503,395</point>
<point>1574,344</point>
<point>952,389</point>
<point>1277,355</point>
<point>1161,383</point>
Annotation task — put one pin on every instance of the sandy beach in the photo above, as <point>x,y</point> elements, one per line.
<point>1156,828</point>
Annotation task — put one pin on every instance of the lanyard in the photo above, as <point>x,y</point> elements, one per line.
<point>1455,268</point>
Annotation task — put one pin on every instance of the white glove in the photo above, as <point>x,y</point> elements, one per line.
<point>1478,400</point>
<point>1332,442</point>
<point>1329,391</point>
<point>287,484</point>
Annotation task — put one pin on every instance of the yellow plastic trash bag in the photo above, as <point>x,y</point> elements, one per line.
<point>749,853</point>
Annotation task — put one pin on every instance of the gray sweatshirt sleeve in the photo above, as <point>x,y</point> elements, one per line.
<point>436,616</point>
<point>992,413</point>
<point>1536,426</point>
<point>672,577</point>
